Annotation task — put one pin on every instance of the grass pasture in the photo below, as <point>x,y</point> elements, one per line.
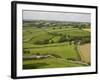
<point>49,63</point>
<point>59,44</point>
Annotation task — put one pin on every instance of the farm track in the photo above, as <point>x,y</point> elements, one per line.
<point>52,56</point>
<point>77,62</point>
<point>78,51</point>
<point>82,56</point>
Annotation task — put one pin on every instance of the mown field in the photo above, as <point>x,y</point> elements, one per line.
<point>53,47</point>
<point>85,53</point>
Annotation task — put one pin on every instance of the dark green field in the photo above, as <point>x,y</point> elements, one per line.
<point>50,44</point>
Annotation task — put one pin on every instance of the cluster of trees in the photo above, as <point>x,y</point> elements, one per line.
<point>65,38</point>
<point>75,39</point>
<point>40,42</point>
<point>69,38</point>
<point>42,23</point>
<point>81,26</point>
<point>26,51</point>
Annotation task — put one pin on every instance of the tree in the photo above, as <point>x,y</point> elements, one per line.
<point>46,41</point>
<point>26,51</point>
<point>51,41</point>
<point>62,38</point>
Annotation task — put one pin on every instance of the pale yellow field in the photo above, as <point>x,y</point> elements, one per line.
<point>87,30</point>
<point>85,53</point>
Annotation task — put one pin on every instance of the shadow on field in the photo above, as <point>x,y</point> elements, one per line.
<point>34,65</point>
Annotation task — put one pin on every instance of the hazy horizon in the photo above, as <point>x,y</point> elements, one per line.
<point>56,16</point>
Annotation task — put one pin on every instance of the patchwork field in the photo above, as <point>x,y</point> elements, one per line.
<point>88,30</point>
<point>55,47</point>
<point>85,53</point>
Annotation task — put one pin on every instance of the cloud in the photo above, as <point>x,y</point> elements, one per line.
<point>57,16</point>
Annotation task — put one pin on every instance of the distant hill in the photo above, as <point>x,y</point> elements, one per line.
<point>45,23</point>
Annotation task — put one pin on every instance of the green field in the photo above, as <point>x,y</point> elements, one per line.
<point>53,46</point>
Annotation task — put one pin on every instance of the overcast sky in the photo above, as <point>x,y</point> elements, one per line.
<point>57,16</point>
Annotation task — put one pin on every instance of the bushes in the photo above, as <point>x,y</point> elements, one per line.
<point>72,59</point>
<point>55,55</point>
<point>85,40</point>
<point>26,51</point>
<point>65,38</point>
<point>51,41</point>
<point>46,41</point>
<point>62,38</point>
<point>76,39</point>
